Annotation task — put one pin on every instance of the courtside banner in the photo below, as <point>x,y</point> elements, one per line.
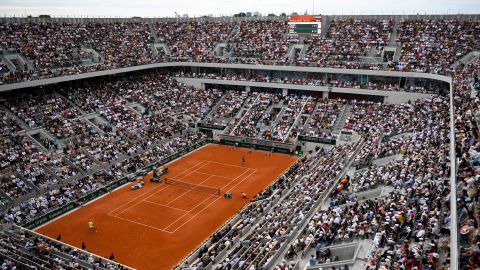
<point>211,126</point>
<point>259,142</point>
<point>50,215</point>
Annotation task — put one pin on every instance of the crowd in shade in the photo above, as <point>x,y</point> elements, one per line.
<point>4,70</point>
<point>271,117</point>
<point>57,48</point>
<point>54,198</point>
<point>12,142</point>
<point>289,116</point>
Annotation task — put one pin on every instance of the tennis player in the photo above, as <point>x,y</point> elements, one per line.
<point>243,161</point>
<point>91,226</point>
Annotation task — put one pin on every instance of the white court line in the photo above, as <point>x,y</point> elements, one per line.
<point>205,162</point>
<point>188,220</point>
<point>215,175</point>
<point>163,205</point>
<point>188,190</point>
<point>187,212</point>
<point>184,171</point>
<point>157,190</point>
<point>154,189</point>
<point>195,215</point>
<point>112,191</point>
<point>183,224</point>
<point>139,223</point>
<point>156,228</point>
<point>135,198</point>
<point>243,167</point>
<point>202,202</point>
<point>254,170</point>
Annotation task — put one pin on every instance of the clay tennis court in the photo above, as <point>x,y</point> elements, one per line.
<point>157,226</point>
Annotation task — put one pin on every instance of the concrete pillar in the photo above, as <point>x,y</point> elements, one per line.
<point>202,86</point>
<point>247,88</point>
<point>324,94</point>
<point>284,91</point>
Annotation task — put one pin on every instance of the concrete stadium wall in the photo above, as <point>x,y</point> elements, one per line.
<point>389,96</point>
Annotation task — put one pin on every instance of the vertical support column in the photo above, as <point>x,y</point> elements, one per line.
<point>453,191</point>
<point>284,91</point>
<point>324,94</point>
<point>202,86</point>
<point>247,88</point>
<point>385,99</point>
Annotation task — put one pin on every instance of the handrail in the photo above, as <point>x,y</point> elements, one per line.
<point>453,184</point>
<point>65,244</point>
<point>318,204</point>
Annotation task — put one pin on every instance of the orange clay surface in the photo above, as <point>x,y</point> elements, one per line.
<point>157,226</point>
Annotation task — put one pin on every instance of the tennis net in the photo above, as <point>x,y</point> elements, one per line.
<point>196,187</point>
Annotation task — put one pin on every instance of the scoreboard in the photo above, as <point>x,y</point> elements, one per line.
<point>305,24</point>
<point>304,28</point>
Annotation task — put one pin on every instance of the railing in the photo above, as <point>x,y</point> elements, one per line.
<point>64,244</point>
<point>324,196</point>
<point>454,247</point>
<point>258,143</point>
<point>211,126</point>
<point>317,139</point>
